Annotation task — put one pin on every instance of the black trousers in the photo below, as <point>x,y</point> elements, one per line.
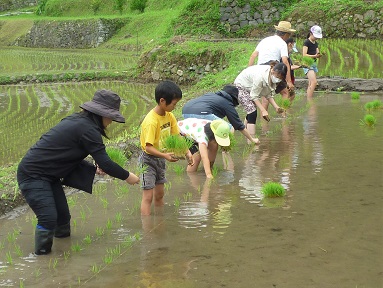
<point>47,200</point>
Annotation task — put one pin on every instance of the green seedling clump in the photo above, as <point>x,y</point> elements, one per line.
<point>369,120</point>
<point>368,106</point>
<point>273,189</point>
<point>117,156</point>
<point>233,143</point>
<point>177,144</point>
<point>355,95</point>
<point>376,104</point>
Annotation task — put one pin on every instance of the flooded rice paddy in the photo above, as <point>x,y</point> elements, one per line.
<point>326,232</point>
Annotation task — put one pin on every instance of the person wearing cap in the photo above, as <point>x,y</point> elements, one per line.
<point>310,49</point>
<point>57,159</point>
<point>255,82</point>
<point>274,48</point>
<point>207,136</point>
<point>218,105</point>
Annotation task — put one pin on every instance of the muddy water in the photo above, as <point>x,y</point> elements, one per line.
<point>326,232</point>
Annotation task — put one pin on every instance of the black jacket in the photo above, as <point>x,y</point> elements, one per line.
<point>220,104</point>
<point>62,149</point>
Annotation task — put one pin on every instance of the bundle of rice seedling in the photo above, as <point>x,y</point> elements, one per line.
<point>177,144</point>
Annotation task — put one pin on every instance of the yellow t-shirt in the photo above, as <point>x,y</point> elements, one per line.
<point>155,127</point>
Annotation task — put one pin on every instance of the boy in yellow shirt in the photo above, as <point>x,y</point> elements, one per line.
<point>158,124</point>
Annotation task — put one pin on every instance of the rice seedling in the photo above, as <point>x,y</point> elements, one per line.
<point>355,95</point>
<point>233,143</point>
<point>95,269</point>
<point>21,285</point>
<point>37,272</point>
<point>87,239</point>
<point>74,223</point>
<point>178,169</point>
<point>215,170</point>
<point>168,186</point>
<point>108,259</point>
<point>368,106</point>
<point>273,189</point>
<point>368,120</point>
<point>187,196</point>
<point>53,263</point>
<point>109,224</point>
<point>9,258</point>
<point>76,247</point>
<point>118,217</point>
<point>104,202</point>
<point>117,155</point>
<point>18,250</point>
<point>178,145</point>
<point>99,231</point>
<point>285,103</point>
<point>66,255</point>
<point>177,202</point>
<point>376,104</point>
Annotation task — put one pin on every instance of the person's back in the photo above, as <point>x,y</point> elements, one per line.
<point>271,48</point>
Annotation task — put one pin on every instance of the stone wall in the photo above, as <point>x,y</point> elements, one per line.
<point>70,34</point>
<point>364,24</point>
<point>16,4</point>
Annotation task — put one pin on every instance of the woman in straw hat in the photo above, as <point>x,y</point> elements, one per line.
<point>58,158</point>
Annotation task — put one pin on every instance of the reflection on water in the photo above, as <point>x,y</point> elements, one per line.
<point>330,219</point>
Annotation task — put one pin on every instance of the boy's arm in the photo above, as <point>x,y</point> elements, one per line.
<point>153,151</point>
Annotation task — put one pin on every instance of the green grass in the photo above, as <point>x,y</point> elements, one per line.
<point>273,189</point>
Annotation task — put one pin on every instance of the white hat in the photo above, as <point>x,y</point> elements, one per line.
<point>317,31</point>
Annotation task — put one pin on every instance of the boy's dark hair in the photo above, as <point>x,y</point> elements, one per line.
<point>281,69</point>
<point>290,40</point>
<point>209,133</point>
<point>167,90</point>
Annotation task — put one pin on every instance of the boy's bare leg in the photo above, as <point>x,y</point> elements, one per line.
<point>146,202</point>
<point>159,192</point>
<point>212,152</point>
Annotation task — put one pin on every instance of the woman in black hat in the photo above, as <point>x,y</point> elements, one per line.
<point>212,106</point>
<point>58,158</point>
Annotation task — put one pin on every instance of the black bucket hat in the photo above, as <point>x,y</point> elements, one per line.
<point>233,92</point>
<point>105,103</point>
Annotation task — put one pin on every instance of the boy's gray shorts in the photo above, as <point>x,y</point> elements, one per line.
<point>154,172</point>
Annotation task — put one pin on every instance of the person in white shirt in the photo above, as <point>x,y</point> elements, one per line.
<point>274,48</point>
<point>255,82</point>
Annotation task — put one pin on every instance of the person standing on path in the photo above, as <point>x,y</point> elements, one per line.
<point>310,49</point>
<point>58,158</point>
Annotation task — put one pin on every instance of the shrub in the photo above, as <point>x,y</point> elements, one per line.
<point>139,5</point>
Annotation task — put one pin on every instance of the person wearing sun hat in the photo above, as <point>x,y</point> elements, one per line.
<point>207,137</point>
<point>58,159</point>
<point>310,49</point>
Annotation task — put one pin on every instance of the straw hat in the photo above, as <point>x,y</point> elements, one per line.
<point>105,103</point>
<point>284,26</point>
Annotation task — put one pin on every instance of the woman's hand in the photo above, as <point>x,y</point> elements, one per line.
<point>132,179</point>
<point>265,115</point>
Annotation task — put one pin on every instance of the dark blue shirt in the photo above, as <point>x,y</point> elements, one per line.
<point>220,104</point>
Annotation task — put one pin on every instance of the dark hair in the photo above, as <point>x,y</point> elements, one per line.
<point>281,69</point>
<point>96,119</point>
<point>167,90</point>
<point>290,40</point>
<point>209,133</point>
<point>233,92</point>
<point>281,33</point>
